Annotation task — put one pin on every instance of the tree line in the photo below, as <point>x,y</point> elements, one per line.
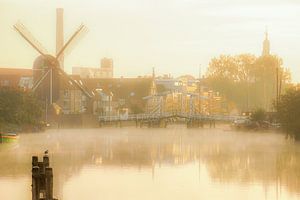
<point>248,82</point>
<point>19,109</point>
<point>288,112</point>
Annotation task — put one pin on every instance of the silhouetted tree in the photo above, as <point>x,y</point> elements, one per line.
<point>259,115</point>
<point>246,80</point>
<point>19,108</point>
<point>288,112</point>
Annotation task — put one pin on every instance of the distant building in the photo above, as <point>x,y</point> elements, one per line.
<point>169,84</point>
<point>106,69</point>
<point>73,97</point>
<point>86,72</point>
<point>113,95</point>
<point>266,46</point>
<point>16,78</point>
<point>189,83</point>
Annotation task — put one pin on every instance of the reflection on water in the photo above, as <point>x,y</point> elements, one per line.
<point>173,163</point>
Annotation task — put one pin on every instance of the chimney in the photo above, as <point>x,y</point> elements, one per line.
<point>60,34</point>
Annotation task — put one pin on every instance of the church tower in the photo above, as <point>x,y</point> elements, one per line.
<point>266,46</point>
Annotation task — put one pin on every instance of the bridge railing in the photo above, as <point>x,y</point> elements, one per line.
<point>151,116</point>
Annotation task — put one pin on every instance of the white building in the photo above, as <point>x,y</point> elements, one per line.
<point>104,71</point>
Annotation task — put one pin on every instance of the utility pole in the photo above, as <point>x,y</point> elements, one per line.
<point>280,83</point>
<point>199,91</point>
<point>264,89</point>
<point>277,86</point>
<point>46,111</point>
<point>51,89</point>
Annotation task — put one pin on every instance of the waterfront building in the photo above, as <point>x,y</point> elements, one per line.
<point>73,100</point>
<point>114,95</point>
<point>16,78</point>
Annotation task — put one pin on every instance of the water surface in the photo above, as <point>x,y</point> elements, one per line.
<point>174,163</point>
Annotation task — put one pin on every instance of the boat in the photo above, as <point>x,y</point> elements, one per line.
<point>8,137</point>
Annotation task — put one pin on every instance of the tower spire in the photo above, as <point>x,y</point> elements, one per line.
<point>153,72</point>
<point>266,44</point>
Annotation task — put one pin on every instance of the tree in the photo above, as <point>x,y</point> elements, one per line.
<point>246,80</point>
<point>288,112</point>
<point>259,115</point>
<point>230,75</point>
<point>19,108</point>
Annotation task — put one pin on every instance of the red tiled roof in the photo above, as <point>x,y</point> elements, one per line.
<point>16,71</point>
<point>123,87</point>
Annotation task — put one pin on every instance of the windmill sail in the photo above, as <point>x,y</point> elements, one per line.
<point>26,34</point>
<point>81,29</point>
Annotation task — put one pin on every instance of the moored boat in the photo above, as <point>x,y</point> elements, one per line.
<point>8,137</point>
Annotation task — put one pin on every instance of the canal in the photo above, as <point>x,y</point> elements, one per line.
<point>155,164</point>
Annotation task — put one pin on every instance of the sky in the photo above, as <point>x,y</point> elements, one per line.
<point>174,36</point>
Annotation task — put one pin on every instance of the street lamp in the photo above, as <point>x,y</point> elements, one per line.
<point>110,100</point>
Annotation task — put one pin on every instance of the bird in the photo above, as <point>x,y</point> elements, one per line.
<point>46,152</point>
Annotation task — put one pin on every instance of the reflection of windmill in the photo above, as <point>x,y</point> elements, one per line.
<point>46,70</point>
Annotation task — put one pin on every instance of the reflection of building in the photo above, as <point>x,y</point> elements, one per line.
<point>138,150</point>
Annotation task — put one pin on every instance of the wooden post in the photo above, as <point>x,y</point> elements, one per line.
<point>46,161</point>
<point>49,183</point>
<point>35,183</point>
<point>42,179</point>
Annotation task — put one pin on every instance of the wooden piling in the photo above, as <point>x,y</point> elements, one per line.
<point>35,183</point>
<point>42,179</point>
<point>49,183</point>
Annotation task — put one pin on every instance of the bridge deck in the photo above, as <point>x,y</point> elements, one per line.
<point>147,117</point>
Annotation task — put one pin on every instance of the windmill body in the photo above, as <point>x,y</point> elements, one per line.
<point>49,79</point>
<point>44,69</point>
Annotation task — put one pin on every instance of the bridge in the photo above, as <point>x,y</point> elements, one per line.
<point>162,119</point>
<point>189,108</point>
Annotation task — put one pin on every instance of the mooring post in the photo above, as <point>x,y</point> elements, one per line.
<point>35,183</point>
<point>42,179</point>
<point>49,183</point>
<point>46,161</point>
<point>35,161</point>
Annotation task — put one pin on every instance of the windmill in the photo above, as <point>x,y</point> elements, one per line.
<point>47,72</point>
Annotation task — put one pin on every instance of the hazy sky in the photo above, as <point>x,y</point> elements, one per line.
<point>174,36</point>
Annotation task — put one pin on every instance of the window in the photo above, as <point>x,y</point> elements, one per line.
<point>66,93</point>
<point>4,82</point>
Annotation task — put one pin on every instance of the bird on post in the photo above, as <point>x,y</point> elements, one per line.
<point>46,152</point>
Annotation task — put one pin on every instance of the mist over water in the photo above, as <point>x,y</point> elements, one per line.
<point>172,163</point>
